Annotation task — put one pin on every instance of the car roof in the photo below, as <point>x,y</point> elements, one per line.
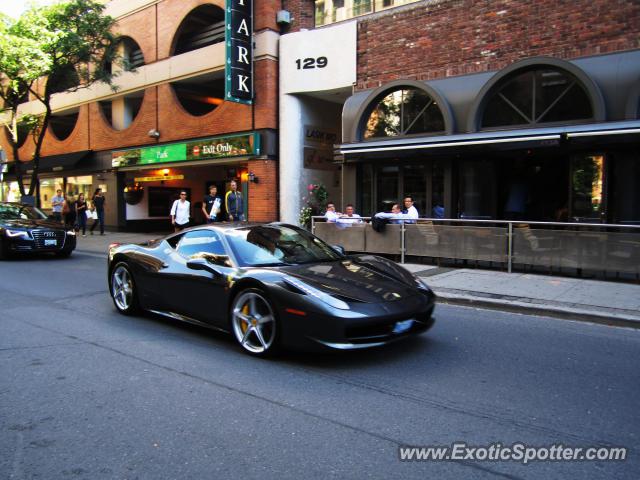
<point>225,227</point>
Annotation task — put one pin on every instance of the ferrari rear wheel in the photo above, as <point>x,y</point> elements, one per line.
<point>254,323</point>
<point>123,290</point>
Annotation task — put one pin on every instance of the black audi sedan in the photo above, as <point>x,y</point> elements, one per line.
<point>26,229</point>
<point>271,286</point>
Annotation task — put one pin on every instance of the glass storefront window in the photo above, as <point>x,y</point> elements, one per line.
<point>78,185</point>
<point>587,176</point>
<point>11,192</point>
<point>477,191</point>
<point>387,188</point>
<point>48,188</point>
<point>415,186</point>
<point>625,195</point>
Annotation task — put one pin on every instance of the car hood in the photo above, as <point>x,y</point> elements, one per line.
<point>28,224</point>
<point>353,280</point>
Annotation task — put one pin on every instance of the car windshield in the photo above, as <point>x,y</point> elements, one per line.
<point>20,212</point>
<point>278,245</point>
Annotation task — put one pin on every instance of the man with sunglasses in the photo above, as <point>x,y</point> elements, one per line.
<point>181,212</point>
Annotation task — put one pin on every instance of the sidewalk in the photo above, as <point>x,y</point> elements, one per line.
<point>610,303</point>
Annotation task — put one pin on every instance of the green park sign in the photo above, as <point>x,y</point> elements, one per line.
<point>203,149</point>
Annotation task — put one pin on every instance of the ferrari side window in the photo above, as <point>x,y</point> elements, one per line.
<point>198,242</point>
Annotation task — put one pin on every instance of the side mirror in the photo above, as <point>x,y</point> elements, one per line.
<point>339,249</point>
<point>202,264</point>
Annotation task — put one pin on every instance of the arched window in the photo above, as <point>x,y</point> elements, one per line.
<point>539,94</point>
<point>405,111</point>
<point>203,26</point>
<point>121,111</point>
<point>200,95</point>
<point>62,80</point>
<point>62,124</point>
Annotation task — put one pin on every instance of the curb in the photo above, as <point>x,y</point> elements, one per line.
<point>565,313</point>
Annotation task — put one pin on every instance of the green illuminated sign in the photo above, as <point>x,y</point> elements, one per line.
<point>206,148</point>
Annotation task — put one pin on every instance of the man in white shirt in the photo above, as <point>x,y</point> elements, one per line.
<point>331,215</point>
<point>180,212</point>
<point>348,217</point>
<point>410,211</point>
<point>409,215</point>
<point>57,204</point>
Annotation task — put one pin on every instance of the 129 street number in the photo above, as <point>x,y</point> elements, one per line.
<point>307,63</point>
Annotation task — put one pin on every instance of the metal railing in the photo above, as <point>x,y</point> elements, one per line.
<point>611,248</point>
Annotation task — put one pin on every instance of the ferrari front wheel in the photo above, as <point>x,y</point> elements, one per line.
<point>123,290</point>
<point>254,323</point>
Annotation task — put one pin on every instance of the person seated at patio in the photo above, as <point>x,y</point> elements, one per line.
<point>410,210</point>
<point>396,215</point>
<point>331,215</point>
<point>438,209</point>
<point>349,217</point>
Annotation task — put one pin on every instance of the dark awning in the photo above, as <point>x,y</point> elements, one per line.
<point>496,140</point>
<point>52,164</point>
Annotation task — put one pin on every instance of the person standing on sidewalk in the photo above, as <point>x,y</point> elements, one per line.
<point>180,212</point>
<point>57,204</point>
<point>81,213</point>
<point>234,204</point>
<point>98,205</point>
<point>69,212</point>
<point>211,205</point>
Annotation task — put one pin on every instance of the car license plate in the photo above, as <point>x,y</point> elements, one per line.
<point>402,326</point>
<point>50,242</point>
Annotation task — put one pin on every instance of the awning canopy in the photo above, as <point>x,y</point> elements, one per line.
<point>52,164</point>
<point>494,140</point>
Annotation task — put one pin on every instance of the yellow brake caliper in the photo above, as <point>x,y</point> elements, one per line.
<point>245,325</point>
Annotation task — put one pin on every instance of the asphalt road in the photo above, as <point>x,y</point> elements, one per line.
<point>86,393</point>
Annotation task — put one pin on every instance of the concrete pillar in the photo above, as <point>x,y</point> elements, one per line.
<point>121,113</point>
<point>292,186</point>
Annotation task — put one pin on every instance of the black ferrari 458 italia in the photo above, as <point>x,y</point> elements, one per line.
<point>26,229</point>
<point>271,286</point>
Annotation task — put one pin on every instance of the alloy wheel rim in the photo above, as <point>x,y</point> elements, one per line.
<point>122,287</point>
<point>254,323</point>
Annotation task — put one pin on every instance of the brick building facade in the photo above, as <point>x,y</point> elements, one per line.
<point>181,55</point>
<point>465,58</point>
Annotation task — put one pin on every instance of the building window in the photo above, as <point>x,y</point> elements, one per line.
<point>330,11</point>
<point>120,112</point>
<point>537,96</point>
<point>406,111</point>
<point>203,26</point>
<point>62,124</point>
<point>200,95</point>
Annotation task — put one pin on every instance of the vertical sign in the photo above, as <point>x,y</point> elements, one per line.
<point>239,42</point>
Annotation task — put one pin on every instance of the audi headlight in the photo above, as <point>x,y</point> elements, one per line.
<point>319,294</point>
<point>18,233</point>
<point>71,232</point>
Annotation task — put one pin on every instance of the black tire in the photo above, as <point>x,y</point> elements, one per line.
<point>122,289</point>
<point>3,251</point>
<point>256,332</point>
<point>64,253</point>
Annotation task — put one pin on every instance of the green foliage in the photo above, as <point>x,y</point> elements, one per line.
<point>60,41</point>
<point>315,204</point>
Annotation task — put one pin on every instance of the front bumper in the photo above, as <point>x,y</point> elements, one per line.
<point>41,242</point>
<point>363,326</point>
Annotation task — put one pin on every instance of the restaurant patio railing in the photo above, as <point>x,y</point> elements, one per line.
<point>606,248</point>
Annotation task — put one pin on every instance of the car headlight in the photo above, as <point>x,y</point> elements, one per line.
<point>71,232</point>
<point>18,233</point>
<point>421,284</point>
<point>319,294</point>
